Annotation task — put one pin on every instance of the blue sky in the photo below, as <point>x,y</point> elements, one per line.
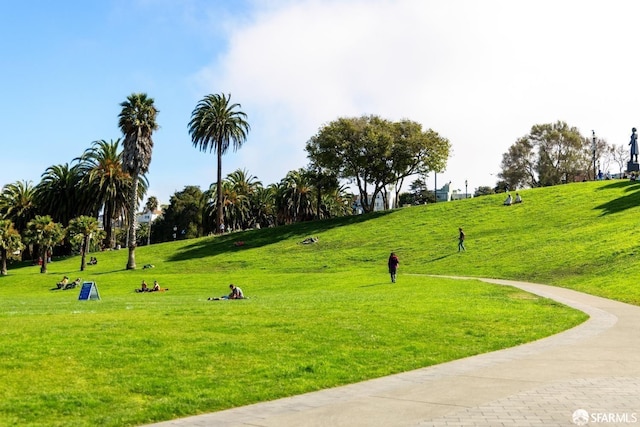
<point>479,73</point>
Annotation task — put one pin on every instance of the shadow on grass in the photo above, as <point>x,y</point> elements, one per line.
<point>259,238</point>
<point>441,257</point>
<point>375,284</point>
<point>630,200</point>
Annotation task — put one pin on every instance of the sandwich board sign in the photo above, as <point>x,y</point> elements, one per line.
<point>89,291</point>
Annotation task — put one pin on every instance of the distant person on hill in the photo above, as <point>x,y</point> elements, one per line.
<point>236,293</point>
<point>393,266</point>
<point>508,201</point>
<point>461,237</point>
<point>518,198</point>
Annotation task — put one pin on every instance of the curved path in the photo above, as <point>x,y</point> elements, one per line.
<point>588,375</point>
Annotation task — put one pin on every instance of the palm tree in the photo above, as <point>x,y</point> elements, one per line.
<point>137,121</point>
<point>59,194</point>
<point>263,207</point>
<point>10,241</point>
<point>152,204</point>
<point>45,233</point>
<point>83,229</point>
<point>18,203</point>
<point>106,184</point>
<point>296,197</point>
<point>215,123</point>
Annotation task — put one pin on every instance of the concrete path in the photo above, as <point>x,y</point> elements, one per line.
<point>588,375</point>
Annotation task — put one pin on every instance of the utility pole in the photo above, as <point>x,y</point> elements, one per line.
<point>595,176</point>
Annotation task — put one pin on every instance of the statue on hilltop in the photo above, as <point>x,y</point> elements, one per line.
<point>634,146</point>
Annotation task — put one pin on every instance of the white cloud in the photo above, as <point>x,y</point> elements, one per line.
<point>479,73</point>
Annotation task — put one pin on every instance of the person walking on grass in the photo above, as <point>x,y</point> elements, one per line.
<point>393,266</point>
<point>461,240</point>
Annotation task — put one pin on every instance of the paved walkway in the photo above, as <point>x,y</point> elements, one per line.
<point>588,375</point>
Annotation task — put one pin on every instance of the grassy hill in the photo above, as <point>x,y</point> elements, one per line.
<point>318,315</point>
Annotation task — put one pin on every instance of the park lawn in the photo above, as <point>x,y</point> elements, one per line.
<point>317,316</point>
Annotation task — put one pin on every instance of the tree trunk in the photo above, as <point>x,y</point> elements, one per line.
<point>219,191</point>
<point>85,245</point>
<point>133,204</point>
<point>43,268</point>
<point>3,268</point>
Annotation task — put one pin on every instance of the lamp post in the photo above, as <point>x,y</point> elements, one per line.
<point>465,189</point>
<point>593,132</point>
<point>435,187</point>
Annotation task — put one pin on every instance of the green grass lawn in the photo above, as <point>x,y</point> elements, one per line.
<point>318,315</point>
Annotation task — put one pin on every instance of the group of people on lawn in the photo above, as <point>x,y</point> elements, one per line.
<point>236,292</point>
<point>64,284</point>
<point>156,287</point>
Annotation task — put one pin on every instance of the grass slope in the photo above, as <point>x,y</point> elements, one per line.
<point>318,315</point>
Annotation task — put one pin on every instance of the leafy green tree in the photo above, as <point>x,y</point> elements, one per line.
<point>18,203</point>
<point>137,121</point>
<point>550,154</point>
<point>106,183</point>
<point>416,152</point>
<point>82,230</point>
<point>418,194</point>
<point>186,211</point>
<point>10,242</point>
<point>375,152</point>
<point>483,191</point>
<point>46,234</point>
<point>217,124</point>
<point>519,165</point>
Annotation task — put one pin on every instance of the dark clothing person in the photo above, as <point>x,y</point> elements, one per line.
<point>461,240</point>
<point>393,266</point>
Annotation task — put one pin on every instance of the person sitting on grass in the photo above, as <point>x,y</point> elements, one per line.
<point>73,284</point>
<point>61,284</point>
<point>143,287</point>
<point>236,293</point>
<point>157,288</point>
<point>518,198</point>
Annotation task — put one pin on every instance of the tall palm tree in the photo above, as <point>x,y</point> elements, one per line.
<point>217,124</point>
<point>137,121</point>
<point>10,241</point>
<point>106,183</point>
<point>18,203</point>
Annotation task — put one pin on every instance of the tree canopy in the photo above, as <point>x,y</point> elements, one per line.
<point>550,154</point>
<point>374,152</point>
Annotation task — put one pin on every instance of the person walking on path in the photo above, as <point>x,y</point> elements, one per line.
<point>461,240</point>
<point>393,266</point>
